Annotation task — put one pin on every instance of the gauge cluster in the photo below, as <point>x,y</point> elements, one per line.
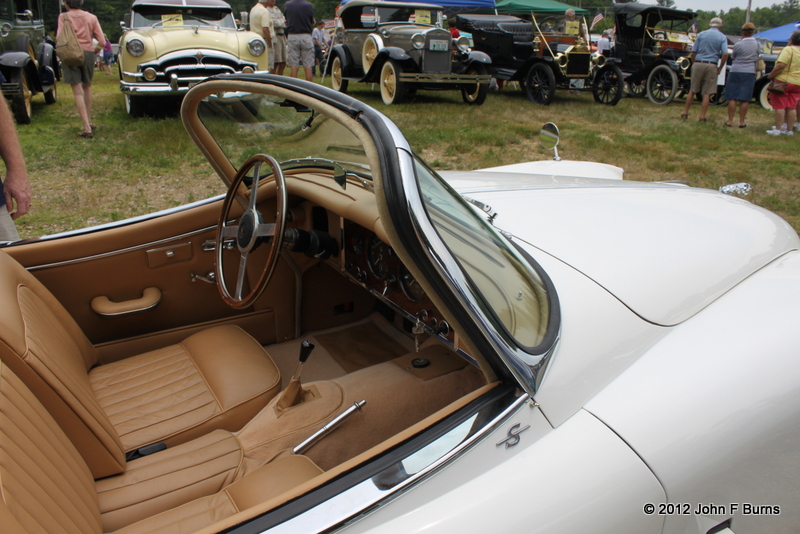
<point>375,265</point>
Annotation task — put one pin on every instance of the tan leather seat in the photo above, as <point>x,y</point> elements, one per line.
<point>216,379</point>
<point>46,487</point>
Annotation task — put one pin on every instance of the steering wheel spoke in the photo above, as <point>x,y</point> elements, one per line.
<point>250,232</point>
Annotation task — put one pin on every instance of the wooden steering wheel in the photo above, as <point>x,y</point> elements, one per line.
<point>250,232</point>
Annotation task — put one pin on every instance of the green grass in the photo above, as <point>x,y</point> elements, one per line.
<point>135,166</point>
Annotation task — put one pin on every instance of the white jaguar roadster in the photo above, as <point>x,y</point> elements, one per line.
<point>348,341</point>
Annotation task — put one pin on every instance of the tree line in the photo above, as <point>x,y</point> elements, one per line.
<point>110,13</point>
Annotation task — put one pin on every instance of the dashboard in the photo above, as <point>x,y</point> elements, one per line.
<point>373,264</point>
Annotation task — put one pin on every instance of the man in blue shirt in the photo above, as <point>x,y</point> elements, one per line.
<point>710,46</point>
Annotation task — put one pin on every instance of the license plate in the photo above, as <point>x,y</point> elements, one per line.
<point>439,46</point>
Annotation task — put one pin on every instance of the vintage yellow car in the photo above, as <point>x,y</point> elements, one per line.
<point>170,45</point>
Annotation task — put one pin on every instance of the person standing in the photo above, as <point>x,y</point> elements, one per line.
<point>14,186</point>
<point>299,22</point>
<point>108,55</point>
<point>604,44</point>
<point>79,78</point>
<point>709,55</point>
<point>277,52</point>
<point>261,22</point>
<point>742,76</point>
<point>786,69</point>
<point>318,35</point>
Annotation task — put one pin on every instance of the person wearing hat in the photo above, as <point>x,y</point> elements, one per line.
<point>709,55</point>
<point>742,76</point>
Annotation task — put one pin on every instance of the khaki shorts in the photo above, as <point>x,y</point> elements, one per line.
<point>704,78</point>
<point>301,49</point>
<point>8,232</point>
<point>82,74</point>
<point>277,53</point>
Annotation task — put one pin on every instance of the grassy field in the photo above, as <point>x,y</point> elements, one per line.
<point>136,166</point>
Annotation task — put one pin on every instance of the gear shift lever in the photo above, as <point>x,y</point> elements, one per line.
<point>293,394</point>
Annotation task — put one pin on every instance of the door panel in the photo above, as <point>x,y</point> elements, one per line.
<point>164,252</point>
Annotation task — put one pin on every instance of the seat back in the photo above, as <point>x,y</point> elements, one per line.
<point>48,351</point>
<point>45,486</point>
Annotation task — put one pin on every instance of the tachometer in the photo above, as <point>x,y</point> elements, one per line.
<point>410,286</point>
<point>377,254</point>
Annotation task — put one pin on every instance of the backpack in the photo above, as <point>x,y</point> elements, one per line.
<point>68,49</point>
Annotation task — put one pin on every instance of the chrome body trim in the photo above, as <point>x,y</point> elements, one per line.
<point>360,499</point>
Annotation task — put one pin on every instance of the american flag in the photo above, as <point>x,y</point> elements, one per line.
<point>597,18</point>
<point>693,29</point>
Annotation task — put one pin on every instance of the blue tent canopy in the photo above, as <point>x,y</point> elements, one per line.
<point>779,35</point>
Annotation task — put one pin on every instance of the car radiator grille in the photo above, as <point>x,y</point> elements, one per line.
<point>190,68</point>
<point>437,61</point>
<point>579,64</point>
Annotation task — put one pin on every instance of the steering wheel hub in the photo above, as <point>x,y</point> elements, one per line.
<point>246,235</point>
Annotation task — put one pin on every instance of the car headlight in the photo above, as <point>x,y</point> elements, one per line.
<point>257,46</point>
<point>135,47</point>
<point>418,41</point>
<point>463,44</point>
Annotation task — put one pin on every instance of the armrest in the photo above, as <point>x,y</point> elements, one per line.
<point>105,307</point>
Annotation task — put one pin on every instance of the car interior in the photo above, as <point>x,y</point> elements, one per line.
<point>134,398</point>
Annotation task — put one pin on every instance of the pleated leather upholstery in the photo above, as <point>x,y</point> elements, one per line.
<point>218,378</point>
<point>173,477</point>
<point>44,482</point>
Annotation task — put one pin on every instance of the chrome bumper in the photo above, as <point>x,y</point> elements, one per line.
<point>176,85</point>
<point>443,78</point>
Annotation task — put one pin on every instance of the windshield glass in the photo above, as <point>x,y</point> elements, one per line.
<point>245,124</point>
<point>408,14</point>
<point>147,16</point>
<point>511,291</point>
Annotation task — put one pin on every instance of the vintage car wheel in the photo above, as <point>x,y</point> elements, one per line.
<point>477,94</point>
<point>338,83</point>
<point>136,106</point>
<point>637,90</point>
<point>662,85</point>
<point>392,88</point>
<point>608,85</point>
<point>540,84</point>
<point>717,99</point>
<point>250,231</point>
<point>21,103</point>
<point>369,52</point>
<point>763,97</point>
<point>51,96</point>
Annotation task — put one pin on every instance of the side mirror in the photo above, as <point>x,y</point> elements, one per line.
<point>548,136</point>
<point>126,21</point>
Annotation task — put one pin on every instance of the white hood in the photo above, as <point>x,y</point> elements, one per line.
<point>665,251</point>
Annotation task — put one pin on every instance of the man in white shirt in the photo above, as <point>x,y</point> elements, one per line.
<point>277,53</point>
<point>261,22</point>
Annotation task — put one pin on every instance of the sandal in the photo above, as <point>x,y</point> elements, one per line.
<point>86,135</point>
<point>730,125</point>
<point>702,120</point>
<point>684,115</point>
<point>742,126</point>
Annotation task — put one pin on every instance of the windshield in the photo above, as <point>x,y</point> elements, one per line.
<point>154,16</point>
<point>408,14</point>
<point>511,291</point>
<point>246,124</point>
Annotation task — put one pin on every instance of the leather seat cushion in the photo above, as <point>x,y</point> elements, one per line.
<point>170,478</point>
<point>218,378</point>
<point>257,487</point>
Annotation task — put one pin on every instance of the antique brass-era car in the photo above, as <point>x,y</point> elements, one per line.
<point>548,53</point>
<point>652,45</point>
<point>403,47</point>
<point>28,63</point>
<point>170,45</point>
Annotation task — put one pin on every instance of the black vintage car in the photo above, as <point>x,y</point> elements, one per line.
<point>403,47</point>
<point>652,46</point>
<point>544,54</point>
<point>28,63</point>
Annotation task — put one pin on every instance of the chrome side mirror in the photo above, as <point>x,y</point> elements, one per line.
<point>548,136</point>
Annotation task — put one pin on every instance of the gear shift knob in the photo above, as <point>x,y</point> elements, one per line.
<point>305,350</point>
